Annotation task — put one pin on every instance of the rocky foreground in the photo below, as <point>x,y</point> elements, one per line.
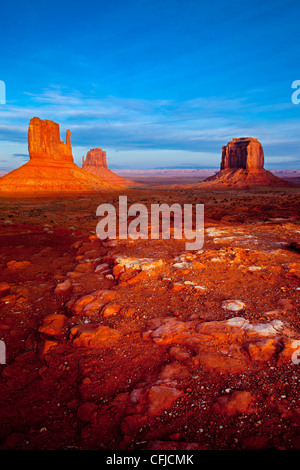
<point>143,345</point>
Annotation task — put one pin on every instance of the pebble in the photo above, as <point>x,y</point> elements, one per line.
<point>233,305</point>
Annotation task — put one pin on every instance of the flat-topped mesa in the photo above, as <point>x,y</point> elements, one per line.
<point>95,157</point>
<point>243,152</point>
<point>44,143</point>
<point>242,166</point>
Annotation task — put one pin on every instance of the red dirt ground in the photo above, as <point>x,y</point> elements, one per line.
<point>152,362</point>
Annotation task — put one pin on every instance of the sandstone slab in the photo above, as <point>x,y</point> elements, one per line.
<point>229,345</point>
<point>53,325</point>
<point>94,336</point>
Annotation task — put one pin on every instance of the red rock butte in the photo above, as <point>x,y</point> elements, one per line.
<point>44,144</point>
<point>51,167</point>
<point>242,166</point>
<point>96,164</point>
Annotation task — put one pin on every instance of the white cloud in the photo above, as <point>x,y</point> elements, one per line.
<point>139,126</point>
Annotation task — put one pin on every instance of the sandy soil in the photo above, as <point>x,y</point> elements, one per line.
<point>133,344</point>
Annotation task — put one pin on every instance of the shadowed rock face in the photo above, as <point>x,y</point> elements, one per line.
<point>51,168</point>
<point>243,152</point>
<point>242,166</point>
<point>95,163</point>
<point>44,142</point>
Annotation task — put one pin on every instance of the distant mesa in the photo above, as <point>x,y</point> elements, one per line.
<point>51,167</point>
<point>96,164</point>
<point>242,166</point>
<point>95,157</point>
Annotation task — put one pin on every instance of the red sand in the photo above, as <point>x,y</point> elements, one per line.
<point>104,353</point>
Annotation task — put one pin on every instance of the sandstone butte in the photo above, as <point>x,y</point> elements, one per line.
<point>242,166</point>
<point>51,167</point>
<point>95,163</point>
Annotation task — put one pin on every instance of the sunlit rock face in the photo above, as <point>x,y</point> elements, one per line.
<point>44,142</point>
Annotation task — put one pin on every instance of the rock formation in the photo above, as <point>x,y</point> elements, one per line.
<point>96,164</point>
<point>95,157</point>
<point>242,166</point>
<point>44,142</point>
<point>51,167</point>
<point>244,152</point>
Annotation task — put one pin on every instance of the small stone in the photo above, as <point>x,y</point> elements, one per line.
<point>53,325</point>
<point>233,305</point>
<point>101,267</point>
<point>177,287</point>
<point>63,288</point>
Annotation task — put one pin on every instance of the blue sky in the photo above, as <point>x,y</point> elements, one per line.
<point>154,83</point>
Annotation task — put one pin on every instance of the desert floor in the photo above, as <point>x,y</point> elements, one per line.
<point>124,344</point>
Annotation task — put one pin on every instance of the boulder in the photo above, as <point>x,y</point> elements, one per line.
<point>53,324</point>
<point>94,336</point>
